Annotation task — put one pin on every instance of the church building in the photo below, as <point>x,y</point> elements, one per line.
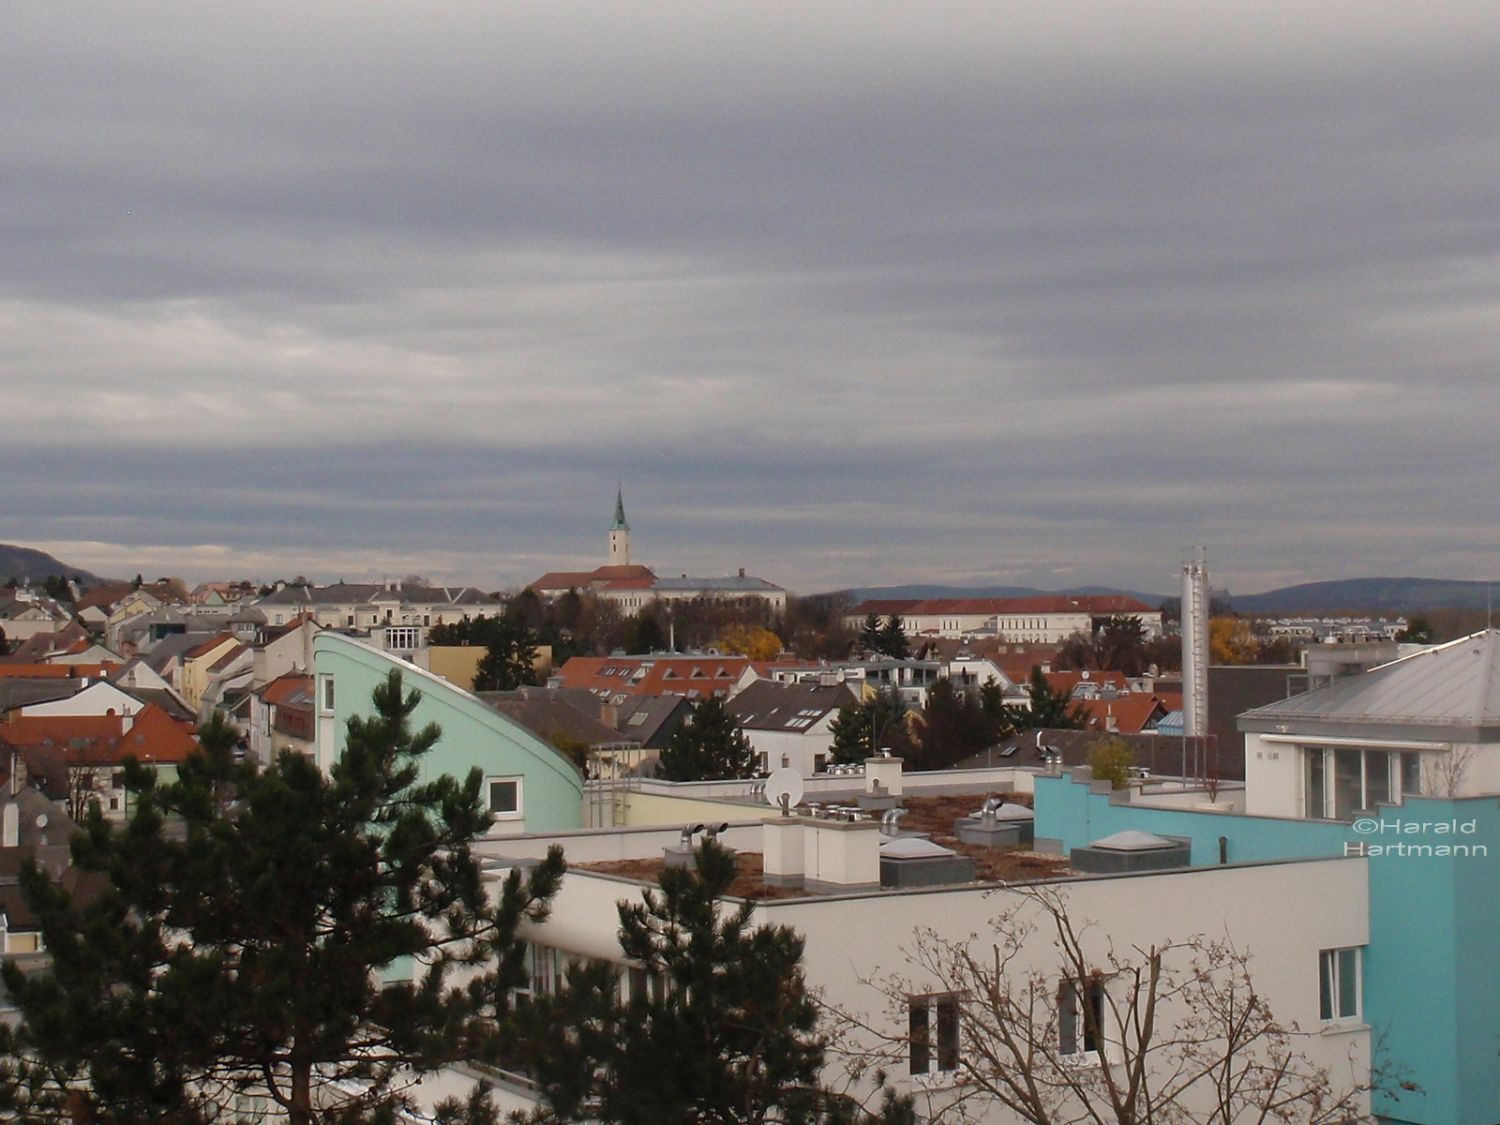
<point>633,587</point>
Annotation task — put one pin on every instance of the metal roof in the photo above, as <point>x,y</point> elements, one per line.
<point>1456,685</point>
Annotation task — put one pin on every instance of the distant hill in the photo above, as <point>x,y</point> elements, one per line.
<point>919,591</point>
<point>33,565</point>
<point>1370,594</point>
<point>1355,595</point>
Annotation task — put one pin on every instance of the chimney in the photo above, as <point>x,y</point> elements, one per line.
<point>10,834</point>
<point>883,775</point>
<point>841,855</point>
<point>783,850</point>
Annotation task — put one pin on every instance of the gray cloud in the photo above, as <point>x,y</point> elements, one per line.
<point>859,294</point>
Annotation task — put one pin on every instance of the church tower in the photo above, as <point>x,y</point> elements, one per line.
<point>619,534</point>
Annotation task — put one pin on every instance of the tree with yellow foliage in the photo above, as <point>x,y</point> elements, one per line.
<point>1230,641</point>
<point>754,641</point>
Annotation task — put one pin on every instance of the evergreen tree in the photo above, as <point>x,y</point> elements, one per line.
<point>236,946</point>
<point>709,746</point>
<point>892,639</point>
<point>860,730</point>
<point>955,724</point>
<point>719,1026</point>
<point>645,633</point>
<point>510,649</point>
<point>1049,709</point>
<point>869,634</point>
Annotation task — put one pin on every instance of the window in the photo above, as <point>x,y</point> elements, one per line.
<point>643,985</point>
<point>1344,781</point>
<point>402,638</point>
<point>1080,1016</point>
<point>505,797</point>
<point>923,1012</point>
<point>1338,984</point>
<point>1411,774</point>
<point>325,694</point>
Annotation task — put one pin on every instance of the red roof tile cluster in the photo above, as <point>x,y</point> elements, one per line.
<point>55,671</point>
<point>1069,681</point>
<point>1126,714</point>
<point>600,578</point>
<point>150,736</point>
<point>207,646</point>
<point>692,676</point>
<point>286,689</point>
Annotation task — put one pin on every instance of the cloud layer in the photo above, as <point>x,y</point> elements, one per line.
<point>860,294</point>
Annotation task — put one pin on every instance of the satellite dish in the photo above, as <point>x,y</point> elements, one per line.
<point>41,820</point>
<point>784,788</point>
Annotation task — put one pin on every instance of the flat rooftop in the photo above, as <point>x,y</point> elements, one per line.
<point>932,815</point>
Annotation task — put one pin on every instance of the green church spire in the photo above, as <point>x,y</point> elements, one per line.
<point>620,524</point>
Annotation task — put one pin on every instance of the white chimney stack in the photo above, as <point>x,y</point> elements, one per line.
<point>842,855</point>
<point>883,776</point>
<point>782,850</point>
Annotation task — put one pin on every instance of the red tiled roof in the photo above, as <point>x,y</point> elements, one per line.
<point>153,736</point>
<point>207,646</point>
<point>884,607</point>
<point>54,671</point>
<point>105,597</point>
<point>35,649</point>
<point>1130,713</point>
<point>612,573</point>
<point>228,658</point>
<point>666,675</point>
<point>286,687</point>
<point>610,577</point>
<point>563,580</point>
<point>1018,665</point>
<point>1068,681</point>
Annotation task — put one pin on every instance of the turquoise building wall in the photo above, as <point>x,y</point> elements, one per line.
<point>474,736</point>
<point>1431,987</point>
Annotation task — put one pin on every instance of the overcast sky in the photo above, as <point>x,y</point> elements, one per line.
<point>844,293</point>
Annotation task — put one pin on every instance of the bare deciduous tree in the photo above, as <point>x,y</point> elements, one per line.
<point>1171,1034</point>
<point>1443,774</point>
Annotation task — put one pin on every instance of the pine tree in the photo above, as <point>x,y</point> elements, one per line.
<point>720,1029</point>
<point>509,659</point>
<point>860,730</point>
<point>892,639</point>
<point>869,634</point>
<point>1049,709</point>
<point>237,945</point>
<point>709,746</point>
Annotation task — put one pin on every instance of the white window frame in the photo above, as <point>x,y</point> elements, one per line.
<point>326,694</point>
<point>1395,793</point>
<point>1334,968</point>
<point>519,813</point>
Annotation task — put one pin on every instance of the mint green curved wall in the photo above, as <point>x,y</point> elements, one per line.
<point>473,735</point>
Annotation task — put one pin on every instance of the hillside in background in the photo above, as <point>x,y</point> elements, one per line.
<point>1347,595</point>
<point>1383,595</point>
<point>921,591</point>
<point>32,565</point>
